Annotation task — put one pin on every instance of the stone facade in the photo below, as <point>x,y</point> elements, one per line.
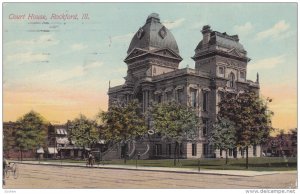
<point>153,75</point>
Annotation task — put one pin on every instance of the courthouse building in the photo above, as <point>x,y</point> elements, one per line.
<point>153,59</point>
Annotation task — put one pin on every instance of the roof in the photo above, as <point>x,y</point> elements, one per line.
<point>62,140</point>
<point>223,40</point>
<point>153,35</point>
<point>40,150</point>
<point>226,41</point>
<point>52,150</point>
<point>61,131</point>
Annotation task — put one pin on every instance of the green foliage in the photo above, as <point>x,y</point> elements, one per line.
<point>123,122</point>
<point>83,132</point>
<point>8,137</point>
<point>222,135</point>
<point>294,134</point>
<point>250,115</point>
<point>31,131</point>
<point>256,164</point>
<point>174,120</point>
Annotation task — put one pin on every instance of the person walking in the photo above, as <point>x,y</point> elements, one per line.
<point>5,163</point>
<point>90,159</point>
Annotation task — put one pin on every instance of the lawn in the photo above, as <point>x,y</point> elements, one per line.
<point>255,164</point>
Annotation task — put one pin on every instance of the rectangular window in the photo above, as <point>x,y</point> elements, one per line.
<point>242,150</point>
<point>210,149</point>
<point>158,149</point>
<point>169,149</point>
<point>221,70</point>
<point>159,98</point>
<point>254,150</point>
<point>193,98</point>
<point>205,149</point>
<point>205,101</point>
<point>169,96</point>
<point>242,74</point>
<point>194,149</point>
<point>205,127</point>
<point>219,100</point>
<point>230,152</point>
<point>180,96</point>
<point>221,152</point>
<point>220,96</point>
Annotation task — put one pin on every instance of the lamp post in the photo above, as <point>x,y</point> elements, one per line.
<point>38,153</point>
<point>60,156</point>
<point>199,164</point>
<point>150,136</point>
<point>99,156</point>
<point>136,158</point>
<point>55,147</point>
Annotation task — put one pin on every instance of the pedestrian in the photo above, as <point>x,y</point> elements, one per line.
<point>5,163</point>
<point>90,159</point>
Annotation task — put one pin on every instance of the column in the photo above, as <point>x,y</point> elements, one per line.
<point>144,96</point>
<point>72,153</point>
<point>145,100</point>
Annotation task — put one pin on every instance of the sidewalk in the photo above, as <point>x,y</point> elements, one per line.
<point>242,173</point>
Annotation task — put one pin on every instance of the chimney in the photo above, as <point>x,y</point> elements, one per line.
<point>235,37</point>
<point>206,33</point>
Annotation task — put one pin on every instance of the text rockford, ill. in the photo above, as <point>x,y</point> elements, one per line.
<point>54,16</point>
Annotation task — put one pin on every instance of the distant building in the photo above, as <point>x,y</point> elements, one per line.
<point>152,62</point>
<point>60,145</point>
<point>282,145</point>
<point>57,144</point>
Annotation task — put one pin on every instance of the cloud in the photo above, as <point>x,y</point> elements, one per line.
<point>43,40</point>
<point>243,29</point>
<point>173,24</point>
<point>279,30</point>
<point>78,46</point>
<point>267,63</point>
<point>122,38</point>
<point>27,57</point>
<point>92,64</point>
<point>60,75</point>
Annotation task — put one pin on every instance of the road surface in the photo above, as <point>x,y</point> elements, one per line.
<point>62,177</point>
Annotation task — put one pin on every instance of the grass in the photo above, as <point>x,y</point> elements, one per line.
<point>255,164</point>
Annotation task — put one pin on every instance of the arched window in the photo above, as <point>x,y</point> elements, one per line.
<point>231,80</point>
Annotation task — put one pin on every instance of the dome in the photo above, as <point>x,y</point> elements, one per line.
<point>153,35</point>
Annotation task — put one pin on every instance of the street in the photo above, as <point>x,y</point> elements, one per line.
<point>61,177</point>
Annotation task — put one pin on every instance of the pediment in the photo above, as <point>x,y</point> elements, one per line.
<point>167,53</point>
<point>235,52</point>
<point>135,53</point>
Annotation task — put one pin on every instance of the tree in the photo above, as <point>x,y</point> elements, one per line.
<point>251,117</point>
<point>9,139</point>
<point>223,135</point>
<point>294,134</point>
<point>280,141</point>
<point>83,131</point>
<point>175,121</point>
<point>31,132</point>
<point>123,122</point>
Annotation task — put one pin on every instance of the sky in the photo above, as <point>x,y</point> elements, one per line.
<point>61,67</point>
